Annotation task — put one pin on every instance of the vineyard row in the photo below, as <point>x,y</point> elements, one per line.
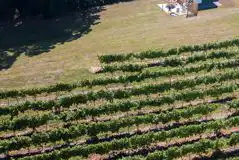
<point>202,146</point>
<point>122,79</point>
<point>141,140</point>
<point>172,61</point>
<point>174,51</point>
<point>121,93</point>
<point>183,96</point>
<point>95,128</point>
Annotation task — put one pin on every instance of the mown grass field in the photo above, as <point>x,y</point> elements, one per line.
<point>65,48</point>
<point>157,105</point>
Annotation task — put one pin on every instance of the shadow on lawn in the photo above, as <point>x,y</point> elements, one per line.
<point>34,37</point>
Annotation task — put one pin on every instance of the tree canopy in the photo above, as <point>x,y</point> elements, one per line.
<point>46,8</point>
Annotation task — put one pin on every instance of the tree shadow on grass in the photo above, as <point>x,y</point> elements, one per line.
<point>34,37</point>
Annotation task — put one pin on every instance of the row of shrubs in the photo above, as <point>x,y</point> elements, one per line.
<point>174,51</point>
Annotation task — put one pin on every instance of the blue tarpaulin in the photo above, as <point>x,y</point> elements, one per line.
<point>207,4</point>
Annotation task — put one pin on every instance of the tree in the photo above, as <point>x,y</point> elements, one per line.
<point>47,8</point>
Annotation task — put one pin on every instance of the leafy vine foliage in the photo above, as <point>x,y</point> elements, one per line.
<point>196,87</point>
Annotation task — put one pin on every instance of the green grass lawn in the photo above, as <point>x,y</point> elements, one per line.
<point>65,48</point>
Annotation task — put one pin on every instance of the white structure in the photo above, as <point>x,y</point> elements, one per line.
<point>173,9</point>
<point>181,7</point>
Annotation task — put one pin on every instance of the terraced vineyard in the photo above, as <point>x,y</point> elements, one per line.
<point>180,103</point>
